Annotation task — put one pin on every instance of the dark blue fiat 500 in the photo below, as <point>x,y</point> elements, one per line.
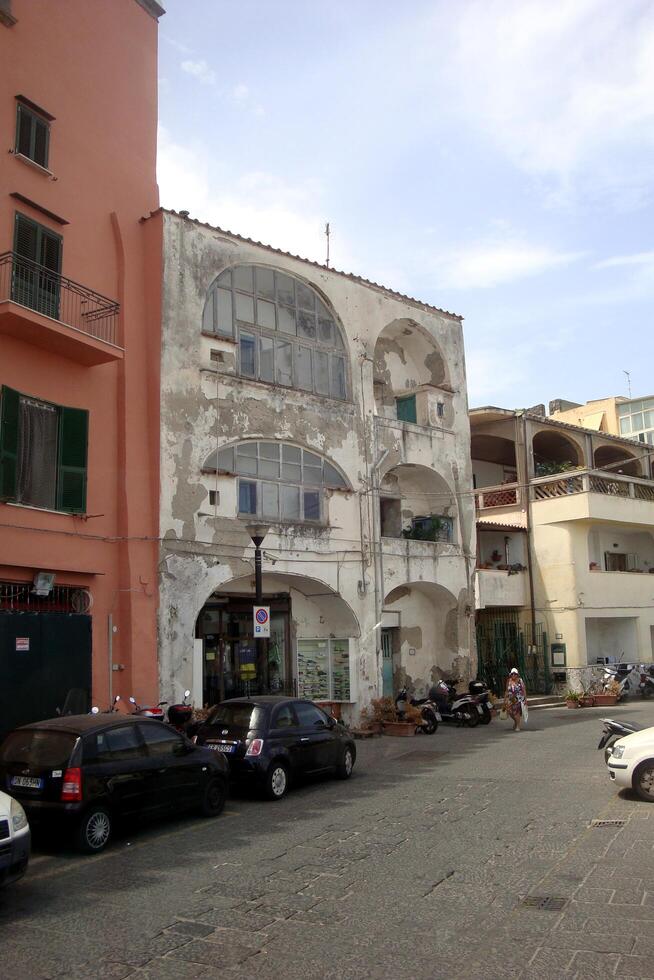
<point>269,740</point>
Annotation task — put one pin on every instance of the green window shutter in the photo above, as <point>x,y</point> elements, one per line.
<point>406,409</point>
<point>73,440</point>
<point>26,238</point>
<point>23,131</point>
<point>8,442</point>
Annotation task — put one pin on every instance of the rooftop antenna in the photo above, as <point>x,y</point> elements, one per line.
<point>327,234</point>
<point>626,373</point>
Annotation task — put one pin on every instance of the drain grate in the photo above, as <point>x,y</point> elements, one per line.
<point>608,823</point>
<point>546,903</point>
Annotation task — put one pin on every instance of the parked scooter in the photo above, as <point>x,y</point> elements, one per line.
<point>612,731</point>
<point>179,715</point>
<point>646,684</point>
<point>464,709</point>
<point>429,711</point>
<point>149,711</point>
<point>622,673</point>
<point>479,690</point>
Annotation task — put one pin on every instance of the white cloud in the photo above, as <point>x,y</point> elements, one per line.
<point>638,259</point>
<point>565,88</point>
<point>200,70</point>
<point>240,92</point>
<point>496,261</point>
<point>256,205</point>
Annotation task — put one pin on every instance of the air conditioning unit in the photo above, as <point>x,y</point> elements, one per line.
<point>43,583</point>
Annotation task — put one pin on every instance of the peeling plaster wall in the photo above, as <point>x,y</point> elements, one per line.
<point>205,406</point>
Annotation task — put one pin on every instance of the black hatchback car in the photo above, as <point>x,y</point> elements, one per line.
<point>269,740</point>
<point>84,772</point>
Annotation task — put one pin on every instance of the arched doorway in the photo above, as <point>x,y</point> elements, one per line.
<point>307,654</point>
<point>420,636</point>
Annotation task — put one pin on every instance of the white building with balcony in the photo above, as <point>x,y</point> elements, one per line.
<point>333,411</point>
<point>565,563</point>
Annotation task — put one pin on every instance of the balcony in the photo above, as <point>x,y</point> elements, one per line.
<point>50,311</point>
<point>501,504</point>
<point>500,588</point>
<point>593,495</point>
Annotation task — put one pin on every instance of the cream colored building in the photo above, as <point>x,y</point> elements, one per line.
<point>629,417</point>
<point>565,523</point>
<point>333,410</point>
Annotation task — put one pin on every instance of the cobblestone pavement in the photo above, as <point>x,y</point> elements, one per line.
<point>417,867</point>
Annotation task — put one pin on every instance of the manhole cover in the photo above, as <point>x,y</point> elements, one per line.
<point>608,823</point>
<point>546,903</point>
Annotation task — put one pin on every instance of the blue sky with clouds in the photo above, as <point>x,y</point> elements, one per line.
<point>492,157</point>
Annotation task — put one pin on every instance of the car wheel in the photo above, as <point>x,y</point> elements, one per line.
<point>346,765</point>
<point>643,781</point>
<point>471,717</point>
<point>94,830</point>
<point>213,800</point>
<point>430,722</point>
<point>276,784</point>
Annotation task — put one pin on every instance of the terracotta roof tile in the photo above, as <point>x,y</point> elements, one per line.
<point>299,258</point>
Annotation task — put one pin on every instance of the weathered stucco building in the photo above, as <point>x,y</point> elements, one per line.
<point>334,411</point>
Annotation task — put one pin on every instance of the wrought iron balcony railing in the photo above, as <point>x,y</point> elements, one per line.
<point>50,294</point>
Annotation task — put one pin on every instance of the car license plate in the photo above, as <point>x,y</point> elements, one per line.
<point>221,747</point>
<point>27,782</point>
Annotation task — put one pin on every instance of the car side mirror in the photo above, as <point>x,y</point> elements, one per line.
<point>331,723</point>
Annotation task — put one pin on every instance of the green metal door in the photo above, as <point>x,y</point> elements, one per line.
<point>387,663</point>
<point>43,656</point>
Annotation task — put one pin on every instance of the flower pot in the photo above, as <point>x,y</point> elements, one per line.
<point>572,704</point>
<point>587,702</point>
<point>402,729</point>
<point>605,700</point>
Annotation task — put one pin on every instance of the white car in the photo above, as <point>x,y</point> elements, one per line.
<point>14,840</point>
<point>631,763</point>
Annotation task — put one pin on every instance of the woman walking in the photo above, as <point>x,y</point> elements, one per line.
<point>515,698</point>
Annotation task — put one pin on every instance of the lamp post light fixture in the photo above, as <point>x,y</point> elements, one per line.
<point>257,533</point>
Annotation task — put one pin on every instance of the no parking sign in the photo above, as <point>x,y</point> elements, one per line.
<point>261,621</point>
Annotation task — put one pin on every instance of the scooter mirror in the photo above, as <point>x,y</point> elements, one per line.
<point>95,710</point>
<point>187,694</point>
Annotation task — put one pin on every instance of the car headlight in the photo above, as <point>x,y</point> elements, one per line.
<point>18,818</point>
<point>618,751</point>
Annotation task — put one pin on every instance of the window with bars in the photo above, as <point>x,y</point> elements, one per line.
<point>278,481</point>
<point>43,453</point>
<point>286,334</point>
<point>32,135</point>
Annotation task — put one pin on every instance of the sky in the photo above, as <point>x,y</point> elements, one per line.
<point>494,158</point>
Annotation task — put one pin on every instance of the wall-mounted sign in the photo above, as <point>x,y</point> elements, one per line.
<point>22,643</point>
<point>261,620</point>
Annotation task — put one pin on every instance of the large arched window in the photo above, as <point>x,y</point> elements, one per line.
<point>278,481</point>
<point>286,335</point>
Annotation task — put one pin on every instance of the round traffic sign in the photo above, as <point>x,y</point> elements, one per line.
<point>262,616</point>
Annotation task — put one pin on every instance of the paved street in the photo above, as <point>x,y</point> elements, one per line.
<point>418,867</point>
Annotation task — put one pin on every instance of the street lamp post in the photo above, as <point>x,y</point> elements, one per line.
<point>257,533</point>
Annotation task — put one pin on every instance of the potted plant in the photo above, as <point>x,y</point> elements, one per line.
<point>394,722</point>
<point>572,699</point>
<point>587,700</point>
<point>610,695</point>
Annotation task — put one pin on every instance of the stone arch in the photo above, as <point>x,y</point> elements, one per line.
<point>553,449</point>
<point>314,633</point>
<point>617,459</point>
<point>417,501</point>
<point>406,357</point>
<point>287,332</point>
<point>429,636</point>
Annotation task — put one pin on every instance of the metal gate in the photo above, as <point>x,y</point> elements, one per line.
<point>43,656</point>
<point>502,644</point>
